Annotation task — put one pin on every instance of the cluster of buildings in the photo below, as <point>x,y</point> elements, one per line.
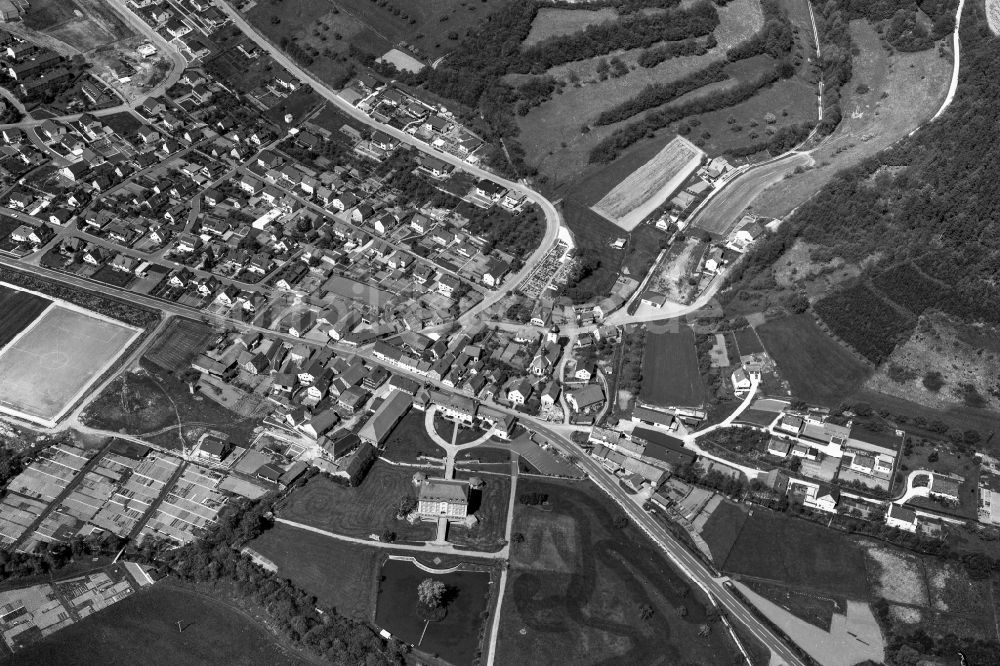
<point>36,72</point>
<point>186,24</point>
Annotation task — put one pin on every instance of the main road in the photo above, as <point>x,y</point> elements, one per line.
<point>552,218</point>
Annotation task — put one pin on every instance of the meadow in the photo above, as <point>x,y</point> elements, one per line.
<point>670,370</point>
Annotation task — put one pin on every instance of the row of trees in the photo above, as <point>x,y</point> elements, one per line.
<point>654,55</point>
<point>657,94</point>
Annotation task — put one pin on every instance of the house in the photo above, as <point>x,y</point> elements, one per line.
<point>456,407</point>
<point>447,285</point>
<point>715,260</point>
<point>188,242</point>
<point>443,498</point>
<point>901,517</point>
<point>586,371</point>
<point>741,381</point>
<point>214,449</point>
<point>495,271</point>
<point>124,263</point>
<point>251,186</point>
<point>585,398</point>
<point>320,424</point>
<point>519,392</point>
<point>487,189</point>
<point>20,200</point>
<point>551,394</point>
<point>27,234</point>
<point>74,171</point>
<point>779,447</point>
<point>825,498</point>
<point>386,417</point>
<point>420,223</point>
<point>353,399</point>
<point>653,299</point>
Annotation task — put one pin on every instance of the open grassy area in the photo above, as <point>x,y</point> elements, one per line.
<point>722,529</point>
<point>815,609</point>
<point>670,369</point>
<point>577,585</point>
<point>887,97</point>
<point>776,547</point>
<point>594,233</point>
<point>340,574</point>
<point>357,512</point>
<point>553,22</point>
<point>20,309</point>
<point>82,24</point>
<point>180,342</point>
<point>819,370</point>
<point>644,245</point>
<point>409,441</point>
<point>490,505</point>
<point>456,637</point>
<point>149,401</point>
<point>143,630</point>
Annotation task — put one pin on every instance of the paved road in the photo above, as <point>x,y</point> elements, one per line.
<point>956,48</point>
<point>552,217</point>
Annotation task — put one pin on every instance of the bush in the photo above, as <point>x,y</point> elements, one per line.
<point>933,381</point>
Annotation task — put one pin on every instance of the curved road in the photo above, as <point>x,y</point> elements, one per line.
<point>956,48</point>
<point>552,218</point>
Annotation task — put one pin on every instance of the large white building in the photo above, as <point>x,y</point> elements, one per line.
<point>443,498</point>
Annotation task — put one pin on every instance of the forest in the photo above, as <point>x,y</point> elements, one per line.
<point>931,199</point>
<point>864,321</point>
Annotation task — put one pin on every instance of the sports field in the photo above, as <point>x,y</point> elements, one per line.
<point>50,364</point>
<point>649,186</point>
<point>670,376</point>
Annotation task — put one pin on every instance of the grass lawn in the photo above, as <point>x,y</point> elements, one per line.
<point>670,369</point>
<point>299,104</point>
<point>577,584</point>
<point>455,638</point>
<point>409,441</point>
<point>747,341</point>
<point>109,275</point>
<point>143,630</point>
<point>20,309</point>
<point>814,609</point>
<point>150,401</point>
<point>819,370</point>
<point>357,512</point>
<point>644,245</point>
<point>722,529</point>
<point>777,547</point>
<point>490,506</point>
<point>947,462</point>
<point>341,575</point>
<point>553,22</point>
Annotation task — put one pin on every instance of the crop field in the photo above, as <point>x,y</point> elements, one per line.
<point>358,512</point>
<point>180,342</point>
<point>142,629</point>
<point>153,403</point>
<point>648,187</point>
<point>819,370</point>
<point>776,547</point>
<point>670,369</point>
<point>722,529</point>
<point>82,24</point>
<point>554,22</point>
<point>20,309</point>
<point>341,575</point>
<point>40,379</point>
<point>577,584</point>
<point>456,637</point>
<point>887,97</point>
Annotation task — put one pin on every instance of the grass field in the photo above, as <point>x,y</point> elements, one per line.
<point>456,637</point>
<point>815,609</point>
<point>490,506</point>
<point>143,630</point>
<point>722,529</point>
<point>341,575</point>
<point>20,309</point>
<point>409,440</point>
<point>361,511</point>
<point>777,547</point>
<point>553,22</point>
<point>83,24</point>
<point>41,378</point>
<point>644,245</point>
<point>901,92</point>
<point>670,369</point>
<point>594,233</point>
<point>577,584</point>
<point>180,342</point>
<point>646,188</point>
<point>153,403</point>
<point>819,370</point>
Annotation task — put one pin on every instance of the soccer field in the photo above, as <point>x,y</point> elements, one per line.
<point>53,361</point>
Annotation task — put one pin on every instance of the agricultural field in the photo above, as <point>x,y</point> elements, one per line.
<point>142,629</point>
<point>456,637</point>
<point>20,309</point>
<point>647,188</point>
<point>722,529</point>
<point>83,25</point>
<point>152,403</point>
<point>815,609</point>
<point>181,341</point>
<point>340,574</point>
<point>776,547</point>
<point>358,512</point>
<point>670,368</point>
<point>577,584</point>
<point>819,370</point>
<point>887,97</point>
<point>41,381</point>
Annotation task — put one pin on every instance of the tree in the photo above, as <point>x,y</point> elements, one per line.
<point>933,381</point>
<point>406,505</point>
<point>430,592</point>
<point>645,612</point>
